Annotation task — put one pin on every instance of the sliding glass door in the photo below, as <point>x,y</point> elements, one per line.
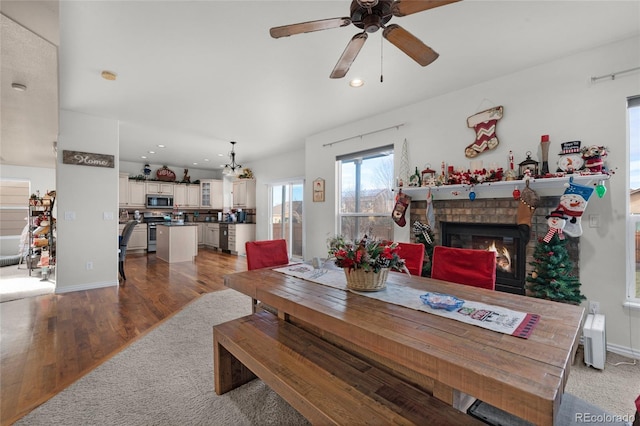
<point>286,216</point>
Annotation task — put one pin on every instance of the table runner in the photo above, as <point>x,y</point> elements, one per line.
<point>496,318</point>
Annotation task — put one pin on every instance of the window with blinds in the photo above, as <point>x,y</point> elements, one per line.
<point>14,200</point>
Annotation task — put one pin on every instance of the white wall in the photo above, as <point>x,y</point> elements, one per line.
<point>88,193</point>
<point>277,169</point>
<point>555,98</point>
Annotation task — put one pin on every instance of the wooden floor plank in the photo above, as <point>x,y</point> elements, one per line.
<point>48,342</point>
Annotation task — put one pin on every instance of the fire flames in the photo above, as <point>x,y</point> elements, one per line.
<point>503,257</point>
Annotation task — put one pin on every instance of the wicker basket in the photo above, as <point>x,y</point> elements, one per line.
<point>360,280</point>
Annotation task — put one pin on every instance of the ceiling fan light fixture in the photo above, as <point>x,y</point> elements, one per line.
<point>356,82</point>
<point>18,87</point>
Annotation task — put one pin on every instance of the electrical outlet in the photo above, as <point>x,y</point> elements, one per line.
<point>594,307</point>
<point>89,266</point>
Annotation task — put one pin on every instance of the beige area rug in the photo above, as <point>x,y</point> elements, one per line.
<point>15,283</point>
<point>166,378</point>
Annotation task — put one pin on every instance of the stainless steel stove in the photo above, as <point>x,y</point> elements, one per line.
<point>152,219</point>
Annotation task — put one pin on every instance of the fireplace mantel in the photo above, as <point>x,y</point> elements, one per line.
<point>545,187</point>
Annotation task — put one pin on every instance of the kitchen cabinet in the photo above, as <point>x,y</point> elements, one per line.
<point>123,190</point>
<point>201,230</point>
<point>138,239</point>
<point>186,195</point>
<point>177,243</point>
<point>211,193</point>
<point>160,188</point>
<point>212,235</point>
<point>244,194</point>
<point>137,193</point>
<point>239,234</point>
<point>131,193</point>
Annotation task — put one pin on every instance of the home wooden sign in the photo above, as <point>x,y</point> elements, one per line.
<point>87,159</point>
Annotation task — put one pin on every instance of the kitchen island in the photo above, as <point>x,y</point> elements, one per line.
<point>177,242</point>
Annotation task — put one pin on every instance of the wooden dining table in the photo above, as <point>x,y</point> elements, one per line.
<point>451,359</point>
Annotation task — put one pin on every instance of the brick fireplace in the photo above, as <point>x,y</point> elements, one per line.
<point>493,214</point>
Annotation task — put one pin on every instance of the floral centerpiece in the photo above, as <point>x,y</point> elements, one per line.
<point>366,262</point>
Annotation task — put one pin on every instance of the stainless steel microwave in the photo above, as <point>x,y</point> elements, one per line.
<point>159,201</point>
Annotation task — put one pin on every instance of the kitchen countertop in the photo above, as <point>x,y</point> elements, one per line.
<point>176,224</point>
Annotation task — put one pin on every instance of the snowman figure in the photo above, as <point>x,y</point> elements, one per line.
<point>556,221</point>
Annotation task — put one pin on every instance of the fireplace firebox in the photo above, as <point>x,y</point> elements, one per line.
<point>504,239</point>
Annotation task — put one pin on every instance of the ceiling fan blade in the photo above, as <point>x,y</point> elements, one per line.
<point>407,7</point>
<point>349,55</point>
<point>307,27</point>
<point>410,44</point>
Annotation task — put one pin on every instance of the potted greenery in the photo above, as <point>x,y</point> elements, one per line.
<point>366,263</point>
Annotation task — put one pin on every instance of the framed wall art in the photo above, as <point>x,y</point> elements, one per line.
<point>318,190</point>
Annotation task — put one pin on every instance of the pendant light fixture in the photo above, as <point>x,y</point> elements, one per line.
<point>230,169</point>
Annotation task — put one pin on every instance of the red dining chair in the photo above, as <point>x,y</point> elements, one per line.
<point>413,255</point>
<point>265,254</point>
<point>464,266</point>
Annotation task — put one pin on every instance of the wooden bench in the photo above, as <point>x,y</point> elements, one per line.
<point>323,382</point>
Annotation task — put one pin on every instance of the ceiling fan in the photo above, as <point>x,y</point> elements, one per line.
<point>370,16</point>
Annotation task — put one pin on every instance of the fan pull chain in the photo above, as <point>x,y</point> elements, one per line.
<point>381,44</point>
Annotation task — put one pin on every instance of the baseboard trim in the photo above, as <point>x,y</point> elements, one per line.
<point>620,350</point>
<point>624,351</point>
<point>89,286</point>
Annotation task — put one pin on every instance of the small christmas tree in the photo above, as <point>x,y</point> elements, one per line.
<point>425,236</point>
<point>551,277</point>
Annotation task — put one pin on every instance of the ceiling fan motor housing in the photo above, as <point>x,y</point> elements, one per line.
<point>370,18</point>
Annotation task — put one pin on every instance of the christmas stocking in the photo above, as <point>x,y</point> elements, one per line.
<point>529,201</point>
<point>399,210</point>
<point>573,203</point>
<point>484,123</point>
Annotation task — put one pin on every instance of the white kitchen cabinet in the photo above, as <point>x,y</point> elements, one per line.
<point>160,188</point>
<point>138,239</point>
<point>123,190</point>
<point>201,231</point>
<point>211,193</point>
<point>137,193</point>
<point>131,193</point>
<point>239,234</point>
<point>186,195</point>
<point>193,196</point>
<point>212,235</point>
<point>244,194</point>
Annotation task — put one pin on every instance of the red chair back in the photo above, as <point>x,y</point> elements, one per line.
<point>266,253</point>
<point>464,266</point>
<point>413,255</point>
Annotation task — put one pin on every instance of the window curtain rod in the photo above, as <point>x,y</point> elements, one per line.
<point>612,76</point>
<point>397,126</point>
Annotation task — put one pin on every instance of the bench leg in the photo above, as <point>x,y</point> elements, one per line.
<point>228,372</point>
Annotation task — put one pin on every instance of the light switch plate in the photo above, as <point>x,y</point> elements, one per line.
<point>107,216</point>
<point>69,215</point>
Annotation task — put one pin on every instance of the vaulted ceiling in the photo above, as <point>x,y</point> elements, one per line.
<point>195,75</point>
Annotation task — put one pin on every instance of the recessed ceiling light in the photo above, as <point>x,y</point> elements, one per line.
<point>19,87</point>
<point>220,155</point>
<point>108,75</point>
<point>195,164</point>
<point>144,156</point>
<point>206,159</point>
<point>152,152</point>
<point>160,146</point>
<point>356,82</point>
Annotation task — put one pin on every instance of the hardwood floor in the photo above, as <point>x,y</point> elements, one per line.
<point>48,342</point>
